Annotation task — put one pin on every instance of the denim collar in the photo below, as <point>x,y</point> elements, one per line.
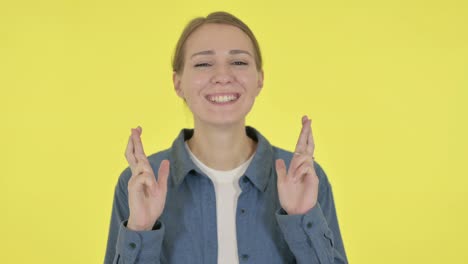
<point>258,172</point>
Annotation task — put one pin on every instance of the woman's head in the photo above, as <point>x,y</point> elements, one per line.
<point>224,18</point>
<point>217,69</point>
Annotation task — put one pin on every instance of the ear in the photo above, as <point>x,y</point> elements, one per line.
<point>260,82</point>
<point>176,82</point>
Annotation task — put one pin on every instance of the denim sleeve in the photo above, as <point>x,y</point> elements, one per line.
<point>142,247</point>
<point>125,246</point>
<point>315,237</point>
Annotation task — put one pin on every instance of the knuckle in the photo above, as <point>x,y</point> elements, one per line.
<point>137,179</point>
<point>145,175</point>
<point>131,183</point>
<point>137,171</point>
<point>148,171</point>
<point>140,156</point>
<point>141,165</point>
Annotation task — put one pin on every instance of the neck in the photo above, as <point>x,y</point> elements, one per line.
<point>221,148</point>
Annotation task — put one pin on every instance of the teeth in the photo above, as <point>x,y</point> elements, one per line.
<point>222,99</point>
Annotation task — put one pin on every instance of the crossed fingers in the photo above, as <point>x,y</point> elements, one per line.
<point>305,144</point>
<point>135,153</point>
<point>302,162</point>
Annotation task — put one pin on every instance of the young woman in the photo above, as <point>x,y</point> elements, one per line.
<point>222,193</point>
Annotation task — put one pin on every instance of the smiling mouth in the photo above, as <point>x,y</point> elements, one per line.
<point>220,99</point>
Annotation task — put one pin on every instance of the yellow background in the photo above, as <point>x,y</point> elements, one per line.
<point>385,83</point>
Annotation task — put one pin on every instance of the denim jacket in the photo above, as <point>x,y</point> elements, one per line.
<point>186,231</point>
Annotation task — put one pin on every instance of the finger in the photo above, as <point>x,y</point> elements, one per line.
<point>129,154</point>
<point>140,182</point>
<point>310,141</point>
<point>302,141</point>
<point>301,172</point>
<point>143,166</point>
<point>163,174</point>
<point>281,170</point>
<point>138,145</point>
<point>297,161</point>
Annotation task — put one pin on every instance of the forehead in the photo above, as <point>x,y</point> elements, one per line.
<point>217,37</point>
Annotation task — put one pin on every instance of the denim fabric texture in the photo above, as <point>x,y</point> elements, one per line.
<point>186,232</point>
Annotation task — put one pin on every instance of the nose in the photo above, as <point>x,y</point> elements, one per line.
<point>222,75</point>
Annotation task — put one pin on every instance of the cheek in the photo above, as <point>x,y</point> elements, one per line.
<point>193,83</point>
<point>198,79</point>
<point>250,81</point>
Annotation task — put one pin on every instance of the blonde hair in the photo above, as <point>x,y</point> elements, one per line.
<point>214,18</point>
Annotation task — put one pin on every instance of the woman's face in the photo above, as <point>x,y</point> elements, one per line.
<point>220,80</point>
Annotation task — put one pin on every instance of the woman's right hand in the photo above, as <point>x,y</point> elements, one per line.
<point>146,195</point>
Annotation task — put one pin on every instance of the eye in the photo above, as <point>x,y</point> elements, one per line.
<point>240,63</point>
<point>202,65</point>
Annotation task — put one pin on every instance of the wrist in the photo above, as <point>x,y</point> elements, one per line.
<point>134,227</point>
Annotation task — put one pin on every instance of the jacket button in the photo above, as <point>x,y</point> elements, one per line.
<point>309,225</point>
<point>245,257</point>
<point>242,211</point>
<point>132,245</point>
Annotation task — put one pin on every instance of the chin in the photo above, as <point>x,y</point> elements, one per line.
<point>225,122</point>
<point>222,120</point>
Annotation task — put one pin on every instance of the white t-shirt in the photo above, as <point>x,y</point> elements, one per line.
<point>227,190</point>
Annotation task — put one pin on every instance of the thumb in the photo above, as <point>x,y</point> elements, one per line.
<point>163,174</point>
<point>281,170</point>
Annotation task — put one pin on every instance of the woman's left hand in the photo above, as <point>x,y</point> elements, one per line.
<point>298,187</point>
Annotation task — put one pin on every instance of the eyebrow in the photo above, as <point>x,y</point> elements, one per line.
<point>211,52</point>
